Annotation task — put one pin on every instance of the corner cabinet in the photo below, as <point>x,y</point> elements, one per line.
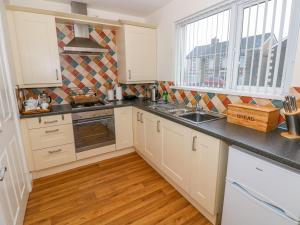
<point>35,49</point>
<point>136,54</point>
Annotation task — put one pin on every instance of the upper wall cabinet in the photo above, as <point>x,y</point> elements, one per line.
<point>35,49</point>
<point>136,54</point>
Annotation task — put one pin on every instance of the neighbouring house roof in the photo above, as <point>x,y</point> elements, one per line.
<point>220,47</point>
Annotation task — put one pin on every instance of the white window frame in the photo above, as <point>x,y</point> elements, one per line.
<point>236,8</point>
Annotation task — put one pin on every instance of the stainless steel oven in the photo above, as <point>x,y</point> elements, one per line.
<point>93,129</point>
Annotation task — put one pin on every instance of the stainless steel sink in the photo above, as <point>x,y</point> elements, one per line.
<point>200,117</point>
<point>185,113</point>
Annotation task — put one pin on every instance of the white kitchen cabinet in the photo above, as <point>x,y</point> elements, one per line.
<point>136,54</point>
<point>176,149</point>
<point>205,165</point>
<point>48,141</point>
<point>123,127</point>
<point>35,49</point>
<point>153,138</point>
<point>138,130</point>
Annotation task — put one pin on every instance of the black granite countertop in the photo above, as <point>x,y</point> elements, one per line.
<point>270,145</point>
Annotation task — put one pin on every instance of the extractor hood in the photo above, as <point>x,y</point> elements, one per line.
<point>82,44</point>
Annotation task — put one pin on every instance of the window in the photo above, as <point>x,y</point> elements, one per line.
<point>243,47</point>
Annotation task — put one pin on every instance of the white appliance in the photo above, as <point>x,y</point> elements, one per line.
<point>259,192</point>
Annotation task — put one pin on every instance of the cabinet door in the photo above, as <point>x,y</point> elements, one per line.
<point>140,44</point>
<point>139,136</point>
<point>153,138</point>
<point>37,48</point>
<point>176,148</point>
<point>123,125</point>
<point>204,170</point>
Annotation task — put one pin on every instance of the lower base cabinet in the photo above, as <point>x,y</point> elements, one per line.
<point>123,127</point>
<point>153,138</point>
<point>207,171</point>
<point>194,161</point>
<point>138,130</point>
<point>175,153</point>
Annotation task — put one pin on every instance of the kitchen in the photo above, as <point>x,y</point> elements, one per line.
<point>149,112</point>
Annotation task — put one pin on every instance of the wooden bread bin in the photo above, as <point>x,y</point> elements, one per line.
<point>260,118</point>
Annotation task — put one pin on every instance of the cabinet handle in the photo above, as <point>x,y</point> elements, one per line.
<point>138,116</point>
<point>129,74</point>
<point>141,118</point>
<point>54,151</point>
<point>2,173</point>
<point>194,144</point>
<point>56,71</point>
<point>49,122</point>
<point>62,116</point>
<point>158,126</point>
<point>51,131</point>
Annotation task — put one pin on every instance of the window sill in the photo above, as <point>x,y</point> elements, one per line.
<point>228,92</point>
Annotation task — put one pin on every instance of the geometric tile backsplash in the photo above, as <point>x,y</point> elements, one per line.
<point>101,72</point>
<point>219,102</point>
<point>87,71</point>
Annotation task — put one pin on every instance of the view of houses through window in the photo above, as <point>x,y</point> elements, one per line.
<point>256,51</point>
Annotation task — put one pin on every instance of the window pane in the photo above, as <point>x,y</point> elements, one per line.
<point>263,44</point>
<point>206,51</point>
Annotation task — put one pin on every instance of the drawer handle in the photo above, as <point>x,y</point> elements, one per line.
<point>194,144</point>
<point>158,126</point>
<point>141,118</point>
<point>54,151</point>
<point>51,131</point>
<point>2,173</point>
<point>138,116</point>
<point>49,122</point>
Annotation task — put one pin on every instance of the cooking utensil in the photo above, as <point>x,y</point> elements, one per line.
<point>290,104</point>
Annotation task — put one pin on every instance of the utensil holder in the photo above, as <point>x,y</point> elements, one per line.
<point>293,125</point>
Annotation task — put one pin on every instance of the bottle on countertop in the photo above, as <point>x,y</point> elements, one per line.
<point>165,96</point>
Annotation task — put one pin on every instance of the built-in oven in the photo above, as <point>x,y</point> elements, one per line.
<point>93,129</point>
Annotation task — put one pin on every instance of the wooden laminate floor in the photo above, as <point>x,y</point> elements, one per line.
<point>119,191</point>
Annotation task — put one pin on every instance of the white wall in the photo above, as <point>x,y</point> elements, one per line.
<point>61,7</point>
<point>165,18</point>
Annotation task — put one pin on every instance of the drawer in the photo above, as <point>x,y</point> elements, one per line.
<point>51,136</point>
<point>54,156</point>
<point>271,182</point>
<point>46,121</point>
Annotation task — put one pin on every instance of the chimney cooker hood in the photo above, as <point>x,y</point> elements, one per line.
<point>82,44</point>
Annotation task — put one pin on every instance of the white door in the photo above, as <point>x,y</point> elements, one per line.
<point>13,182</point>
<point>123,127</point>
<point>176,148</point>
<point>139,135</point>
<point>204,170</point>
<point>153,138</point>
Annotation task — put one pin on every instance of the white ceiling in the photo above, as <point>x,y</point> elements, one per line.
<point>139,8</point>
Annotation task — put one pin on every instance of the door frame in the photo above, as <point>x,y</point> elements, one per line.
<point>8,68</point>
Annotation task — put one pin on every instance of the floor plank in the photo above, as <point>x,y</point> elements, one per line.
<point>119,191</point>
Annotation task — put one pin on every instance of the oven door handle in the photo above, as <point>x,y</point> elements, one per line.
<point>75,123</point>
